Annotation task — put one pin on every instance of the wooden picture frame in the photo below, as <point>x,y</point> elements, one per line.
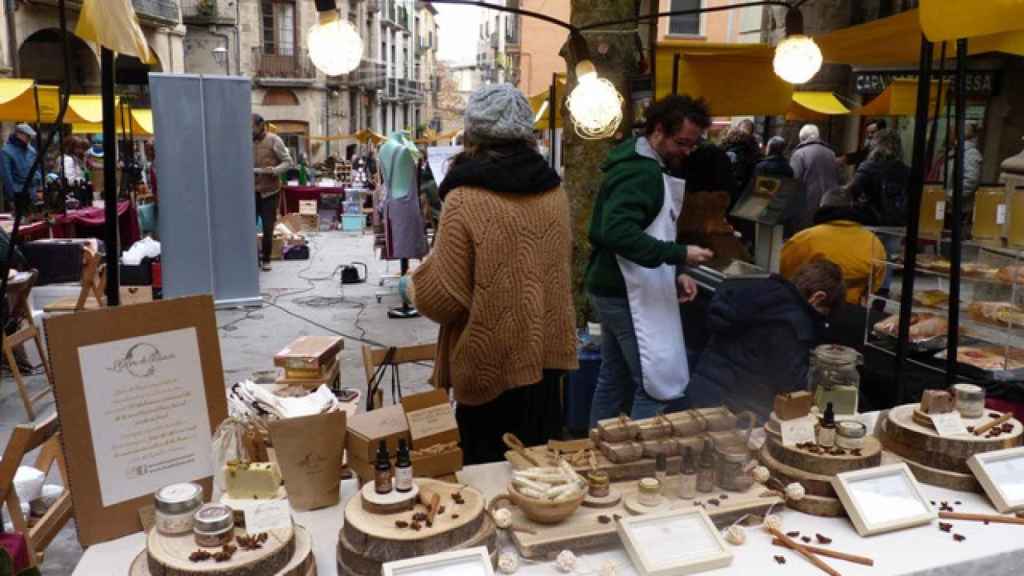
<point>1001,474</point>
<point>644,538</point>
<point>122,375</point>
<point>883,499</point>
<point>469,562</point>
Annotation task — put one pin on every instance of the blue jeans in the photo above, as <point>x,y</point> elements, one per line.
<point>620,381</point>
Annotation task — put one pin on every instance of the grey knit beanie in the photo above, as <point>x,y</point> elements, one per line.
<point>499,112</point>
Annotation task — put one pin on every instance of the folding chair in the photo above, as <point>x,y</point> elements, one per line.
<point>375,360</point>
<point>18,292</point>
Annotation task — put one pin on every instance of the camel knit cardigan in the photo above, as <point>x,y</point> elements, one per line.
<point>498,282</point>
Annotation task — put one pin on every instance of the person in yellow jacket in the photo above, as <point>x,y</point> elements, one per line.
<point>838,235</point>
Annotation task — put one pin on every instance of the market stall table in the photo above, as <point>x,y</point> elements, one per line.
<point>88,223</point>
<point>28,231</point>
<point>988,549</point>
<point>293,194</point>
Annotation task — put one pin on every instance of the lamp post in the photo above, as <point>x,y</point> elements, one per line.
<point>220,56</point>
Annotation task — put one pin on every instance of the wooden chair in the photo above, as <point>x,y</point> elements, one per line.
<point>17,295</point>
<point>23,440</point>
<point>373,358</point>
<point>94,283</point>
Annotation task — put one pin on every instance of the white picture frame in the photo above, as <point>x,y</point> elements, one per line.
<point>644,538</point>
<point>468,562</point>
<point>1001,474</point>
<point>883,499</point>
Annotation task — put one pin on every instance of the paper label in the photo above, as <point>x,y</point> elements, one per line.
<point>307,207</point>
<point>948,424</point>
<point>430,421</point>
<point>1001,214</point>
<point>940,210</point>
<point>797,431</point>
<point>147,413</point>
<point>267,516</point>
<point>147,516</point>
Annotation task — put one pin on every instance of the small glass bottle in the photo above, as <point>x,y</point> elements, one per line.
<point>382,470</point>
<point>706,468</point>
<point>827,428</point>
<point>403,468</point>
<point>661,469</point>
<point>687,476</point>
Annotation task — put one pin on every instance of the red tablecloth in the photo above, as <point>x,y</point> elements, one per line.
<point>292,195</point>
<point>88,223</point>
<point>27,232</point>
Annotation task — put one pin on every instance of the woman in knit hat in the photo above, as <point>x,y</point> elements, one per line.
<point>498,281</point>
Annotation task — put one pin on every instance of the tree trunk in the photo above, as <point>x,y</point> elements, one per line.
<point>613,52</point>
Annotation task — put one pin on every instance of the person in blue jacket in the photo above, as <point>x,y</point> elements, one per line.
<point>18,156</point>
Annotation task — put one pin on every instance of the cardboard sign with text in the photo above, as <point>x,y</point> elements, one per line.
<point>139,390</point>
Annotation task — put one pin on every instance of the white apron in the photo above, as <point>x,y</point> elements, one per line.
<point>654,306</point>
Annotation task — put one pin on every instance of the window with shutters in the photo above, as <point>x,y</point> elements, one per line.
<point>685,24</point>
<point>277,19</point>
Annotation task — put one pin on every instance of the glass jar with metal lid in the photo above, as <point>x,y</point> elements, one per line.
<point>214,525</point>
<point>834,378</point>
<point>174,505</point>
<point>850,434</point>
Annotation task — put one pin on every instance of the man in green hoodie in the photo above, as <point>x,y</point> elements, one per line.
<point>632,279</point>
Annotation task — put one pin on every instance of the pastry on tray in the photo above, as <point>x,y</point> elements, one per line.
<point>931,298</point>
<point>922,326</point>
<point>978,269</point>
<point>989,358</point>
<point>1011,274</point>
<point>1001,313</point>
<point>934,264</point>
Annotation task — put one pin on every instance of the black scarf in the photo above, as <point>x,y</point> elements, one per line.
<point>514,169</point>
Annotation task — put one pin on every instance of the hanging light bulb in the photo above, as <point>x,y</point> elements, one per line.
<point>797,57</point>
<point>594,104</point>
<point>335,46</point>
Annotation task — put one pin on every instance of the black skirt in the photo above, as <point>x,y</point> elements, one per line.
<point>533,413</point>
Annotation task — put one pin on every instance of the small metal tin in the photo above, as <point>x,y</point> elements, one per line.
<point>174,506</point>
<point>214,525</point>
<point>970,400</point>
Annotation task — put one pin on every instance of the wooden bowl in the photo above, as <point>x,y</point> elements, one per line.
<point>544,511</point>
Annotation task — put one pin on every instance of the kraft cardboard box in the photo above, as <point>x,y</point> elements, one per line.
<point>366,430</point>
<point>434,434</point>
<point>309,353</point>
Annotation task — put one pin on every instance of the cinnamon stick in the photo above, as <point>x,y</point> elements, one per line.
<point>997,422</point>
<point>981,517</point>
<point>790,543</point>
<point>831,553</point>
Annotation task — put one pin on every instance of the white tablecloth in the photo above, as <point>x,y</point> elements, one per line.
<point>989,550</point>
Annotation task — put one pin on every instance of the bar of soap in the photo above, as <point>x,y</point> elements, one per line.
<point>793,405</point>
<point>937,402</point>
<point>251,480</point>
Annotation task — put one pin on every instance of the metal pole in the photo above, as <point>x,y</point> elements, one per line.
<point>552,116</point>
<point>110,237</point>
<point>675,73</point>
<point>955,248</point>
<point>916,186</point>
<point>938,108</point>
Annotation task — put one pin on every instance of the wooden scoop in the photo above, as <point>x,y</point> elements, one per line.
<point>516,445</point>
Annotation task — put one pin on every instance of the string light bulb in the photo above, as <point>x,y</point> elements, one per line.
<point>595,106</point>
<point>335,47</point>
<point>798,57</point>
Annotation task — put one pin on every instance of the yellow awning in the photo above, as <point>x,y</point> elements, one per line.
<point>18,101</point>
<point>363,136</point>
<point>900,99</point>
<point>952,19</point>
<point>896,40</point>
<point>541,103</point>
<point>141,123</point>
<point>430,137</point>
<point>814,106</point>
<point>710,71</point>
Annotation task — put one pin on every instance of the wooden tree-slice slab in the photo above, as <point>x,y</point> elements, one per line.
<point>818,506</point>
<point>378,537</point>
<point>609,501</point>
<point>390,503</point>
<point>814,484</point>
<point>901,427</point>
<point>301,562</point>
<point>168,555</point>
<point>947,477</point>
<point>352,562</point>
<point>826,464</point>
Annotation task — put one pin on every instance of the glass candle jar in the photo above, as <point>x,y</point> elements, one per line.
<point>650,492</point>
<point>989,213</point>
<point>175,505</point>
<point>850,434</point>
<point>970,400</point>
<point>600,484</point>
<point>214,525</point>
<point>834,378</point>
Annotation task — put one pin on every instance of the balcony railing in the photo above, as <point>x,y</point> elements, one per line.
<point>371,75</point>
<point>163,10</point>
<point>281,66</point>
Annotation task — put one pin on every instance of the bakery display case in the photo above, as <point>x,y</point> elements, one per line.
<point>990,311</point>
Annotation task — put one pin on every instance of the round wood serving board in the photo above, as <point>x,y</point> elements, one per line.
<point>301,562</point>
<point>826,464</point>
<point>389,503</point>
<point>814,484</point>
<point>901,427</point>
<point>951,476</point>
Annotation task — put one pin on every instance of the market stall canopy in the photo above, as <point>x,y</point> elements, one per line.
<point>815,106</point>
<point>431,136</point>
<point>951,19</point>
<point>19,98</point>
<point>363,136</point>
<point>735,79</point>
<point>896,41</point>
<point>900,99</point>
<point>141,123</point>
<point>541,103</point>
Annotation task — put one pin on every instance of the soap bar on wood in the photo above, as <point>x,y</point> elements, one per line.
<point>936,402</point>
<point>793,405</point>
<point>251,480</point>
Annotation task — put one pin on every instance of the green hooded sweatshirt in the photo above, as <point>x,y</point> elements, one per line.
<point>631,197</point>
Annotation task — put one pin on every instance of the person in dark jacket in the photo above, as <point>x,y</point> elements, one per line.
<point>744,153</point>
<point>880,183</point>
<point>762,333</point>
<point>870,129</point>
<point>775,163</point>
